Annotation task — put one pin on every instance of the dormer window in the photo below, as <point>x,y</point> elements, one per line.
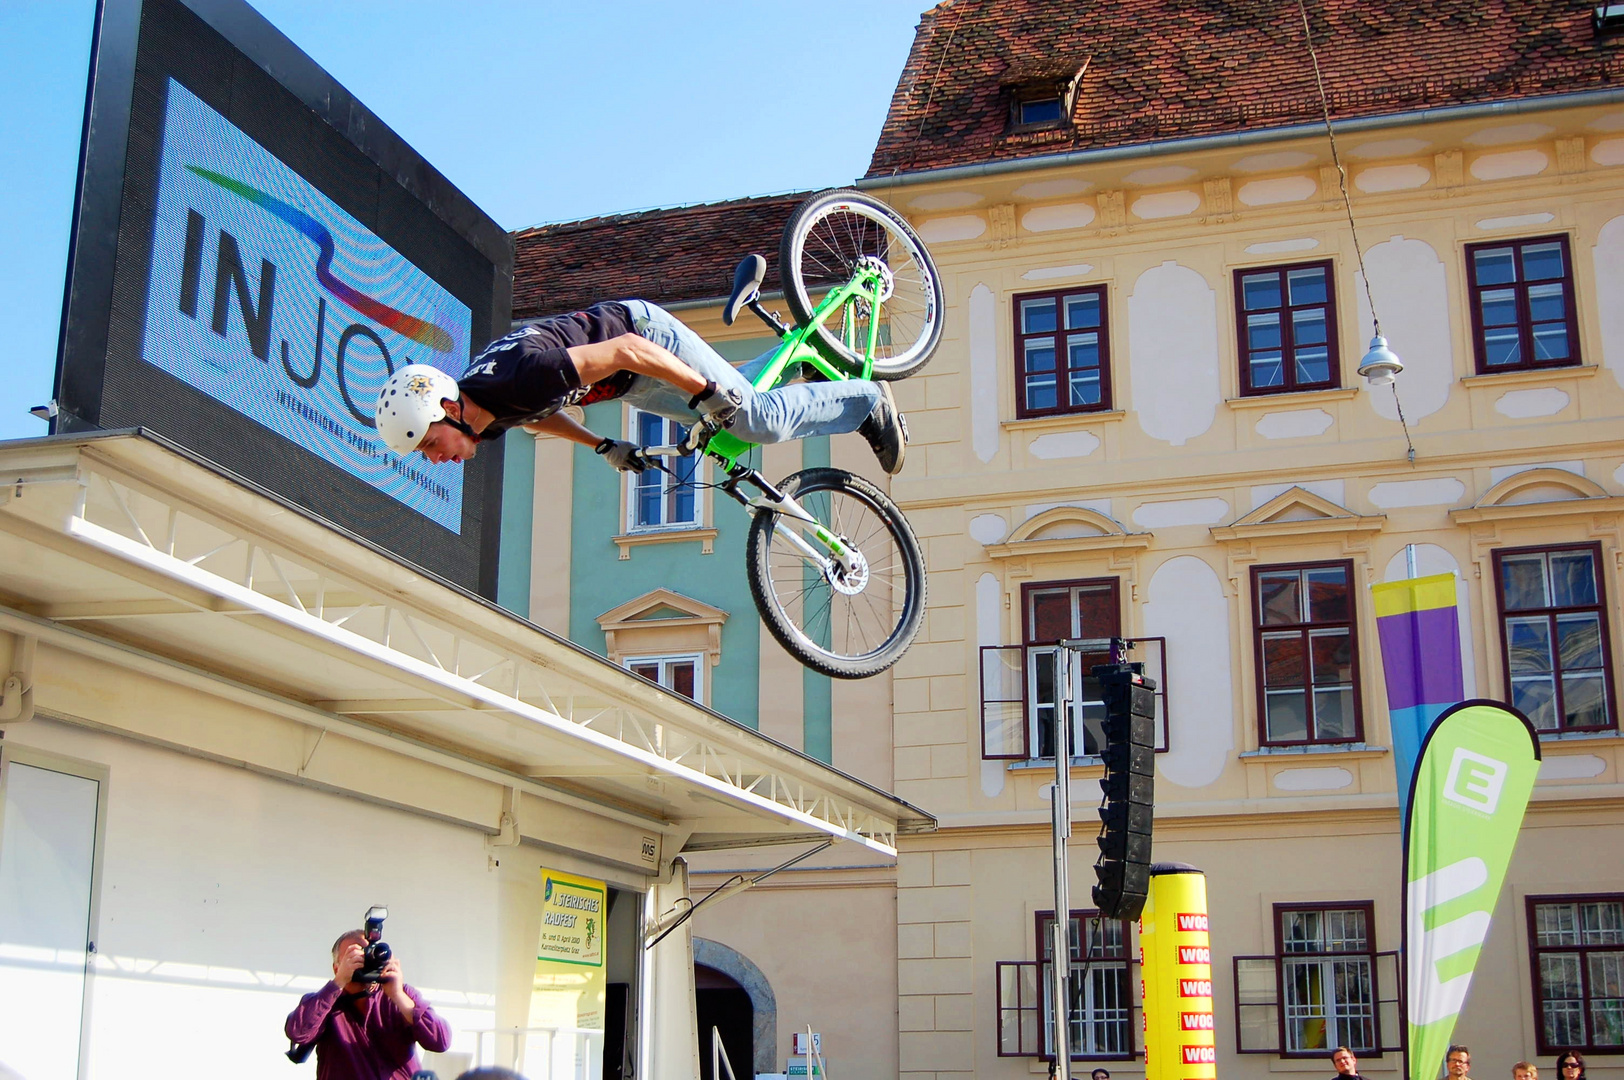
<point>1040,95</point>
<point>1044,110</point>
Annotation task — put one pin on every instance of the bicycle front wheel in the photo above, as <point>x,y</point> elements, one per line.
<point>828,237</point>
<point>850,608</point>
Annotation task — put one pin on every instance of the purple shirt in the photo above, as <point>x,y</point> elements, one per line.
<point>363,1036</point>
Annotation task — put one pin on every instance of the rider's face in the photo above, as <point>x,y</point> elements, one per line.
<point>445,443</point>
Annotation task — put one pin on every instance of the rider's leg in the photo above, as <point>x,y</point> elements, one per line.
<point>801,410</point>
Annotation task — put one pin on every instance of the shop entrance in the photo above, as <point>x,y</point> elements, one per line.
<point>722,1004</point>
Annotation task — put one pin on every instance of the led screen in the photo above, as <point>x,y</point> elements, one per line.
<point>253,253</point>
<point>272,300</point>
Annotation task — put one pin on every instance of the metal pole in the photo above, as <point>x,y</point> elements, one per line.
<point>1060,819</point>
<point>1409,558</point>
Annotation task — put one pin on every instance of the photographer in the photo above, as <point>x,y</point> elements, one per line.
<point>365,1030</point>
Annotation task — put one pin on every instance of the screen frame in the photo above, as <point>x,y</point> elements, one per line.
<point>93,248</point>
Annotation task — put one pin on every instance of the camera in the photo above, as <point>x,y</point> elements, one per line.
<point>377,954</point>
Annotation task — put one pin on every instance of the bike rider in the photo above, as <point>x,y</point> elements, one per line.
<point>627,348</point>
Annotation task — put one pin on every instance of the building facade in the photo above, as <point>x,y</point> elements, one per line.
<point>227,729</point>
<point>1145,421</point>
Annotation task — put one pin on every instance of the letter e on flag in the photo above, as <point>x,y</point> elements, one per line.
<point>1475,781</point>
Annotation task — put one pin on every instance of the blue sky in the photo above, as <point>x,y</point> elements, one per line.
<point>539,111</point>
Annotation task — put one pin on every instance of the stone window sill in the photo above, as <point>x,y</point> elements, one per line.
<point>1296,400</point>
<point>627,541</point>
<point>1329,750</point>
<point>1047,764</point>
<point>1064,421</point>
<point>1526,376</point>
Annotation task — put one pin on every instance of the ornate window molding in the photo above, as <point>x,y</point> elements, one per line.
<point>1068,530</point>
<point>1297,512</point>
<point>1539,493</point>
<point>663,622</point>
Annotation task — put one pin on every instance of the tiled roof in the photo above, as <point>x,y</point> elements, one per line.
<point>667,256</point>
<point>1159,70</point>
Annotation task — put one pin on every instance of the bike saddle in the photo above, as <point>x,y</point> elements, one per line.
<point>747,278</point>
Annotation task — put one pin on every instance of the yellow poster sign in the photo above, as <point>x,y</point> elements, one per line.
<point>569,985</point>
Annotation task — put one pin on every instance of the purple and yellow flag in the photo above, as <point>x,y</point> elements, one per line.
<point>1420,640</point>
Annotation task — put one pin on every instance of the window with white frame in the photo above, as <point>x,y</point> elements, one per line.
<point>682,674</point>
<point>656,499</point>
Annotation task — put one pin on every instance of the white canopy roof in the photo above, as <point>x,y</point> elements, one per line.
<point>125,548</point>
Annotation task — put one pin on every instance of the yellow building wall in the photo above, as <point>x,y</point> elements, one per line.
<point>1182,487</point>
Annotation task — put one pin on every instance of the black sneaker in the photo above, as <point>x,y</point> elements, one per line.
<point>886,431</point>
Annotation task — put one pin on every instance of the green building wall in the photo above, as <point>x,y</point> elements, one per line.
<point>600,580</point>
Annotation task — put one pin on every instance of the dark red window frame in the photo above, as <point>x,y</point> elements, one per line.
<point>1524,315</point>
<point>1289,383</point>
<point>1062,369</point>
<point>1306,630</point>
<point>1536,979</point>
<point>1600,608</point>
<point>1387,1037</point>
<point>1128,956</point>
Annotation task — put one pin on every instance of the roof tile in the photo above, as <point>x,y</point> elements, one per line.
<point>1159,71</point>
<point>672,255</point>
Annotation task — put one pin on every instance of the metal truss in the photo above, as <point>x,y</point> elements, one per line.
<point>217,568</point>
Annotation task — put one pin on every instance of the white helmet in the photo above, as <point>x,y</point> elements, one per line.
<point>409,402</point>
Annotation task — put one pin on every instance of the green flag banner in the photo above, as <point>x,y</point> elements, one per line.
<point>1475,773</point>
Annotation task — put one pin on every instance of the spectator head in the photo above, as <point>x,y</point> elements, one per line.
<point>490,1072</point>
<point>1346,1064</point>
<point>1458,1060</point>
<point>1524,1071</point>
<point>1099,1074</point>
<point>1570,1065</point>
<point>357,936</point>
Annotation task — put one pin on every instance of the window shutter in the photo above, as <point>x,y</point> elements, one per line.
<point>1257,1005</point>
<point>1003,702</point>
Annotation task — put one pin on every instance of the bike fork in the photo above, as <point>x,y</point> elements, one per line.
<point>773,501</point>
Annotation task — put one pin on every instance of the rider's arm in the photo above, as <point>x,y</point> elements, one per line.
<point>565,427</point>
<point>633,352</point>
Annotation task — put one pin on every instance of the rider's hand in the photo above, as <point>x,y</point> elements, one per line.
<point>622,455</point>
<point>715,405</point>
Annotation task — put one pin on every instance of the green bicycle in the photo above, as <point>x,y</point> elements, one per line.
<point>834,567</point>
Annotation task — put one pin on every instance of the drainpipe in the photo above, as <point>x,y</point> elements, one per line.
<point>17,692</point>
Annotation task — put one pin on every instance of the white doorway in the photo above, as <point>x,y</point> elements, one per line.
<point>49,818</point>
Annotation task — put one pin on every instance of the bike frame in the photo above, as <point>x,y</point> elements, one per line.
<point>866,286</point>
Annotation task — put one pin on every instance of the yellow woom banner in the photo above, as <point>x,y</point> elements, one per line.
<point>569,986</point>
<point>1175,965</point>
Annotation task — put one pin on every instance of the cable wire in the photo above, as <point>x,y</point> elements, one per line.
<point>1347,205</point>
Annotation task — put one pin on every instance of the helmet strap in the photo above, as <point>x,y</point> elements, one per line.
<point>461,425</point>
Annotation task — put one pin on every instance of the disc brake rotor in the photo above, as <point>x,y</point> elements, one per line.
<point>876,265</point>
<point>848,576</point>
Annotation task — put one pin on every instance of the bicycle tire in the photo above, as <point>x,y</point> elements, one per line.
<point>822,241</point>
<point>790,595</point>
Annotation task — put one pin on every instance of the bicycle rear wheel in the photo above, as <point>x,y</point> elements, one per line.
<point>826,238</point>
<point>849,618</point>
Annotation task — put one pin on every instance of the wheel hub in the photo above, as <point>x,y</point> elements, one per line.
<point>849,575</point>
<point>876,266</point>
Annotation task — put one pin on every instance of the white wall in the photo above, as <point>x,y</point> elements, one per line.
<point>222,892</point>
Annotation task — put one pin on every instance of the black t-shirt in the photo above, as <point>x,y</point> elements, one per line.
<point>527,375</point>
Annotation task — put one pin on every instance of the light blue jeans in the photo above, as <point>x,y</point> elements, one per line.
<point>797,411</point>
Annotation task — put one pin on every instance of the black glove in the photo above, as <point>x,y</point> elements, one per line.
<point>716,405</point>
<point>623,455</point>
